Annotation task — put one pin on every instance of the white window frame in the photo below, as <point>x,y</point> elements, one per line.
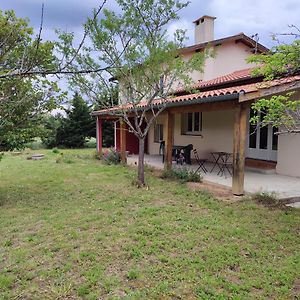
<point>160,133</point>
<point>193,131</point>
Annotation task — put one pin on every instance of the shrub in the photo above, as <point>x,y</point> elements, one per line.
<point>111,157</point>
<point>90,143</point>
<point>55,150</point>
<point>36,144</point>
<point>183,174</point>
<point>266,198</point>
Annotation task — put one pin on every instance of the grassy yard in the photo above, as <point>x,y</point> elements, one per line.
<point>79,230</point>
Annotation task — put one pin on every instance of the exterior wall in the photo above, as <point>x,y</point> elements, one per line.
<point>153,148</point>
<point>229,57</point>
<point>217,131</point>
<point>288,159</point>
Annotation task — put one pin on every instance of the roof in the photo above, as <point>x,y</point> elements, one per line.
<point>240,37</point>
<point>228,79</point>
<point>205,96</point>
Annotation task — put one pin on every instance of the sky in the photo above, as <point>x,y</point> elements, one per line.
<point>233,16</point>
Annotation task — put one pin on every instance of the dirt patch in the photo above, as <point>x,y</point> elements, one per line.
<point>296,288</point>
<point>217,190</point>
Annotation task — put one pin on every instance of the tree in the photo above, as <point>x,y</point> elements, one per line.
<point>141,56</point>
<point>23,100</point>
<point>77,126</point>
<point>51,124</point>
<point>25,94</point>
<point>282,111</point>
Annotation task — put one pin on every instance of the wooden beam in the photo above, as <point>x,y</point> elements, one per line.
<point>99,135</point>
<point>239,147</point>
<point>169,139</point>
<point>123,131</point>
<point>226,105</point>
<point>264,91</point>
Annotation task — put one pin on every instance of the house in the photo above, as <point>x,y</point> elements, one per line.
<point>216,117</point>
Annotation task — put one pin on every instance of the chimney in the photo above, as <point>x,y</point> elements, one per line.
<point>204,29</point>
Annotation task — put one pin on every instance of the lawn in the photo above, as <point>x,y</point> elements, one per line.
<point>78,229</point>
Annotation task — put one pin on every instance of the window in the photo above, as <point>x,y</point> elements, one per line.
<point>191,123</point>
<point>158,133</point>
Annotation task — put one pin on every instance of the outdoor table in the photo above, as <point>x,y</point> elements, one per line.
<point>220,159</point>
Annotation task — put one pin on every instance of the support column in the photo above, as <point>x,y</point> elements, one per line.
<point>169,140</point>
<point>239,146</point>
<point>99,134</point>
<point>123,141</point>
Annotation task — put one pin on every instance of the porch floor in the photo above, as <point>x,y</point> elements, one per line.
<point>283,186</point>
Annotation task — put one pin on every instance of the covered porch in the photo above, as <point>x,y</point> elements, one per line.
<point>284,186</point>
<point>225,116</point>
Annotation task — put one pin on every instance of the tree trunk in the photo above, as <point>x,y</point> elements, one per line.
<point>141,166</point>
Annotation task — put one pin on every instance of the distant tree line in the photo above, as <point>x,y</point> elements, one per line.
<point>74,129</point>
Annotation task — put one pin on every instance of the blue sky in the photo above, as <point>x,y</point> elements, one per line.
<point>249,16</point>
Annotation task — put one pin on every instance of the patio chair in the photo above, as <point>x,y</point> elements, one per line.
<point>225,164</point>
<point>200,161</point>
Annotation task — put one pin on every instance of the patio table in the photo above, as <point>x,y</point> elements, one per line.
<point>220,159</point>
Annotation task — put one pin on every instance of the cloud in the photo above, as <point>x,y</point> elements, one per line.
<point>248,16</point>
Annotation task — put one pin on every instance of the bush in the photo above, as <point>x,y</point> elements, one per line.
<point>90,143</point>
<point>55,150</point>
<point>183,174</point>
<point>111,157</point>
<point>266,198</point>
<point>36,144</point>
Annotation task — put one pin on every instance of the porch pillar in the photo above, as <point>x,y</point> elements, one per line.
<point>239,145</point>
<point>123,141</point>
<point>169,140</point>
<point>99,134</point>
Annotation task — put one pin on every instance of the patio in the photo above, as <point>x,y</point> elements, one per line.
<point>283,186</point>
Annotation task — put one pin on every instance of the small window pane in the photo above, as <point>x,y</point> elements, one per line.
<point>275,139</point>
<point>252,137</point>
<point>197,122</point>
<point>161,132</point>
<point>190,122</point>
<point>158,133</point>
<point>263,142</point>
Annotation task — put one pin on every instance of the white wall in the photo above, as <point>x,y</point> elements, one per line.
<point>229,57</point>
<point>217,131</point>
<point>288,157</point>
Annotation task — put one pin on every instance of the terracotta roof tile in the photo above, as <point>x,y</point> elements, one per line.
<point>221,80</point>
<point>246,88</point>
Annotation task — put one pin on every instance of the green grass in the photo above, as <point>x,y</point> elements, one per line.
<point>80,230</point>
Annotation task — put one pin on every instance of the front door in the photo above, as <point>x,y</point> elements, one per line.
<point>262,142</point>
